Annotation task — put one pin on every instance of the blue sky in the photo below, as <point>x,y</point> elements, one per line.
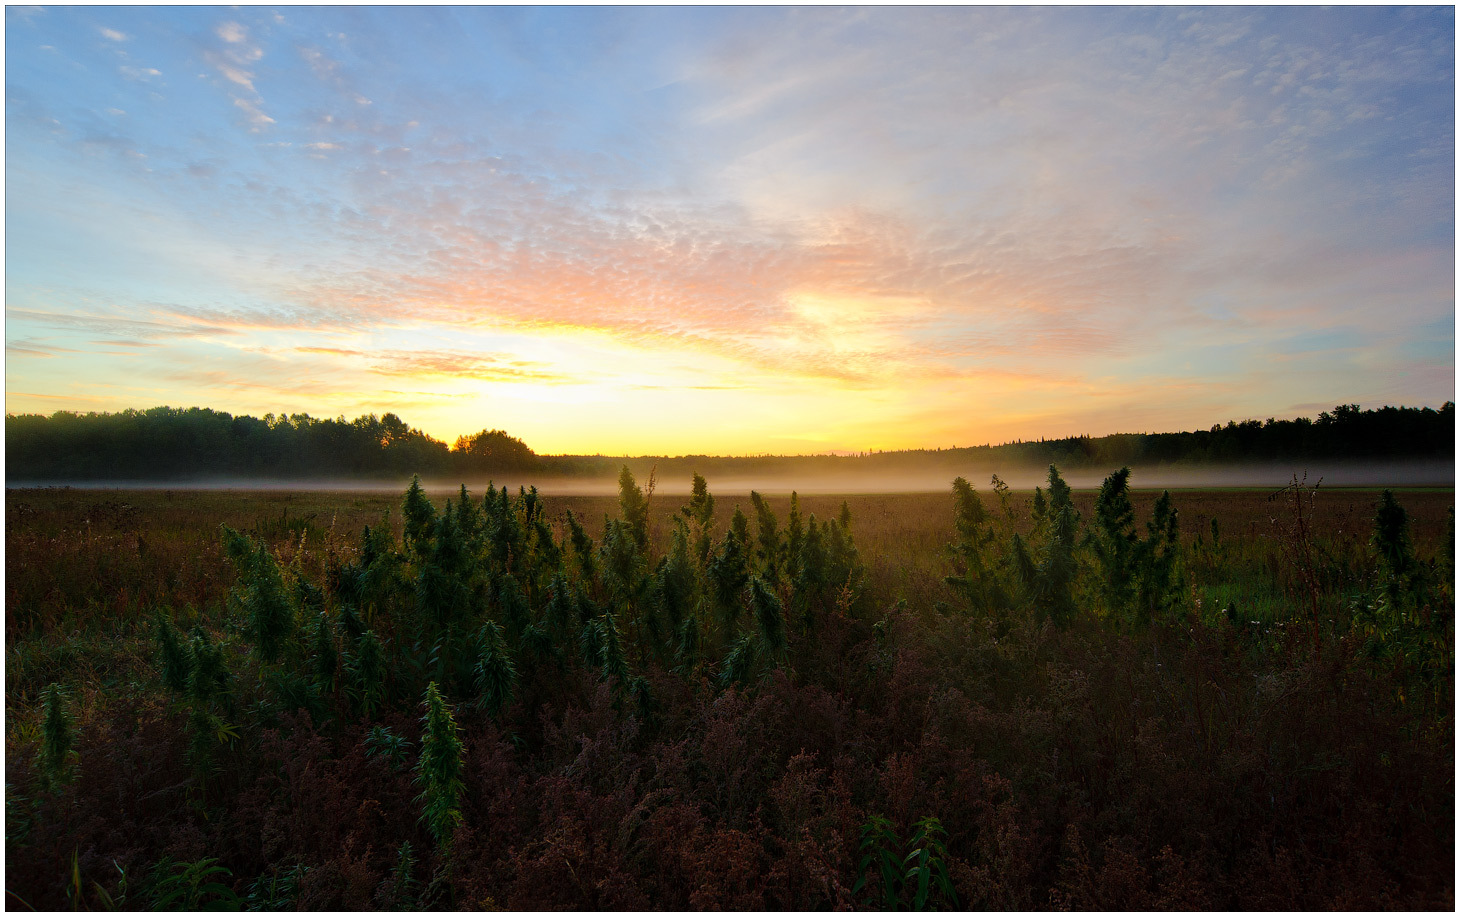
<point>732,230</point>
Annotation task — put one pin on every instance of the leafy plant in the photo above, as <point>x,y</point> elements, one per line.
<point>380,742</point>
<point>438,772</point>
<point>276,891</point>
<point>916,879</point>
<point>496,674</point>
<point>196,886</point>
<point>58,735</point>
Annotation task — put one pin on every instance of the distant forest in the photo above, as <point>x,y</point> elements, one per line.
<point>197,444</point>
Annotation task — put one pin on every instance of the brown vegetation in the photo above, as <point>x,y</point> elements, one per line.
<point>1218,755</point>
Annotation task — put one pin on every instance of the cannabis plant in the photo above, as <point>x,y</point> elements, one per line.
<point>438,772</point>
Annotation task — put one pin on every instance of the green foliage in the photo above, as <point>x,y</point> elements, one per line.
<point>276,891</point>
<point>769,616</point>
<point>1114,540</point>
<point>561,607</point>
<point>512,607</point>
<point>729,570</point>
<point>496,673</point>
<point>701,511</point>
<point>1048,579</point>
<point>611,651</point>
<point>366,671</point>
<point>420,518</point>
<point>978,582</point>
<point>739,662</point>
<point>1159,588</point>
<point>1391,542</point>
<point>326,658</point>
<point>380,742</point>
<point>438,772</point>
<point>58,735</point>
<point>260,594</point>
<point>634,507</point>
<point>914,880</point>
<point>812,575</point>
<point>622,563</point>
<point>675,584</point>
<point>195,886</point>
<point>795,534</point>
<point>177,662</point>
<point>210,680</point>
<point>769,547</point>
<point>400,890</point>
<point>582,548</point>
<point>687,649</point>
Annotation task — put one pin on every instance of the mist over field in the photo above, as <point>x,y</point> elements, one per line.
<point>1414,473</point>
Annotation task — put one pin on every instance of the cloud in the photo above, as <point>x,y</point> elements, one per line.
<point>232,33</point>
<point>476,366</point>
<point>113,35</point>
<point>120,327</point>
<point>234,62</point>
<point>252,111</point>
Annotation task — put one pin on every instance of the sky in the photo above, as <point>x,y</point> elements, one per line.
<point>731,230</point>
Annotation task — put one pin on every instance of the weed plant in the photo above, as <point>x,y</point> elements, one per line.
<point>1113,700</point>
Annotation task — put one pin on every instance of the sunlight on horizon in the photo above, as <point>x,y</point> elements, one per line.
<point>732,231</point>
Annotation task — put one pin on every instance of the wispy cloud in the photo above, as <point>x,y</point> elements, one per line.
<point>898,214</point>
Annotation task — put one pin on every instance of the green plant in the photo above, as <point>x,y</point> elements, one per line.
<point>913,880</point>
<point>400,891</point>
<point>438,772</point>
<point>260,594</point>
<point>496,673</point>
<point>276,891</point>
<point>177,662</point>
<point>367,671</point>
<point>634,507</point>
<point>58,735</point>
<point>380,742</point>
<point>196,886</point>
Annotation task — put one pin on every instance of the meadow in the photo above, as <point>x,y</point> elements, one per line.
<point>1113,699</point>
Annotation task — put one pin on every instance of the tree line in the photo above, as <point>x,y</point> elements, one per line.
<point>166,443</point>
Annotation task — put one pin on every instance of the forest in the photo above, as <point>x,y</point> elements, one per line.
<point>199,444</point>
<point>984,699</point>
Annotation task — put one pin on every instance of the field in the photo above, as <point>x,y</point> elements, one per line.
<point>1046,703</point>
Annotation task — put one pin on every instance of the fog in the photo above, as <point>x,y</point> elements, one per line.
<point>1426,473</point>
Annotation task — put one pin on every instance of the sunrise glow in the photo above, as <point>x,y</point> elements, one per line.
<point>731,230</point>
